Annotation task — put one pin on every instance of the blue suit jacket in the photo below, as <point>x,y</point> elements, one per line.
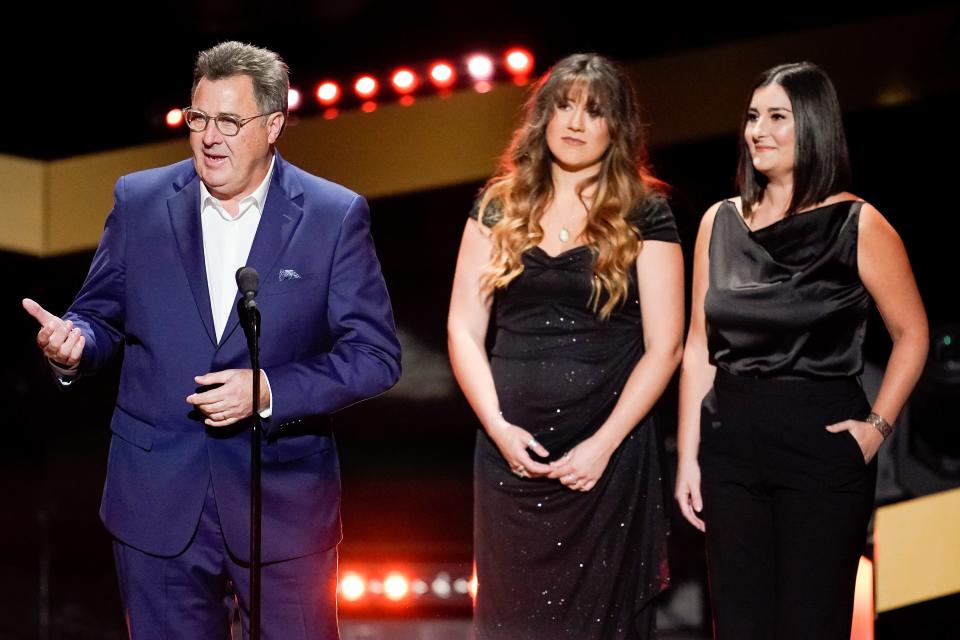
<point>328,340</point>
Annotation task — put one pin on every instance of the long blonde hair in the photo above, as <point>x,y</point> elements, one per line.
<point>522,188</point>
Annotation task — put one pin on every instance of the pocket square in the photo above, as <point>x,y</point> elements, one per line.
<point>288,274</point>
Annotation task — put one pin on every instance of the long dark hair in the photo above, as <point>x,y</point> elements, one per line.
<point>821,161</point>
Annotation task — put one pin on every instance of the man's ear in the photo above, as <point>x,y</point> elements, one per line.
<point>275,124</point>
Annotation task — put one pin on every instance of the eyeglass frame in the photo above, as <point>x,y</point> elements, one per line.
<point>240,122</point>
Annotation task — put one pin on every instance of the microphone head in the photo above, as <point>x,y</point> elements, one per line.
<point>248,281</point>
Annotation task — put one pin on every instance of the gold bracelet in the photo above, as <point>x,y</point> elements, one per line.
<point>882,425</point>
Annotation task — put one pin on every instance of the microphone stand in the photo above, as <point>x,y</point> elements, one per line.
<point>250,319</point>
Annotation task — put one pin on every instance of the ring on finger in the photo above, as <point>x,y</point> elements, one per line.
<point>532,443</point>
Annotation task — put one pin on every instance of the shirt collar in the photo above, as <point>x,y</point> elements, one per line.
<point>258,197</point>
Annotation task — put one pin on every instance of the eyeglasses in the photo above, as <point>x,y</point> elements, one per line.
<point>227,124</point>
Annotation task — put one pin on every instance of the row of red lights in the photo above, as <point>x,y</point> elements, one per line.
<point>395,586</point>
<point>442,74</point>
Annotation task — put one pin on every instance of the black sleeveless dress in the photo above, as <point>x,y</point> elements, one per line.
<point>551,562</point>
<point>786,301</point>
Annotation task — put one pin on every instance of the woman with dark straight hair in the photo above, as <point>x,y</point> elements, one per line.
<point>571,256</point>
<point>777,441</point>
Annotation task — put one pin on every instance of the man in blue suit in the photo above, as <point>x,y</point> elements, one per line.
<point>161,292</point>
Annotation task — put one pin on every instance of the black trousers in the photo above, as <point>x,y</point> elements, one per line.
<point>786,505</point>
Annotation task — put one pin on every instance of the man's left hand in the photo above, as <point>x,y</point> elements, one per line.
<point>229,402</point>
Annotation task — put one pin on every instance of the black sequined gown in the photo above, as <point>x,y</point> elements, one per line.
<point>554,563</point>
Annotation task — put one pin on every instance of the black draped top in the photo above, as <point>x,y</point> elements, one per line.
<point>786,301</point>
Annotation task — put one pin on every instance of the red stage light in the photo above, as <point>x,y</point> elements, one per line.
<point>474,584</point>
<point>442,75</point>
<point>395,586</point>
<point>366,87</point>
<point>174,118</point>
<point>352,587</point>
<point>293,99</point>
<point>519,62</point>
<point>863,615</point>
<point>404,81</point>
<point>480,66</point>
<point>369,106</point>
<point>328,93</point>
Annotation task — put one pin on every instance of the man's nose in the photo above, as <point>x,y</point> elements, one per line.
<point>212,135</point>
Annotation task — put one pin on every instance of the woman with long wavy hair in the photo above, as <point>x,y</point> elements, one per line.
<point>571,257</point>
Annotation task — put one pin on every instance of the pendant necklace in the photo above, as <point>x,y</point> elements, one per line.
<point>564,233</point>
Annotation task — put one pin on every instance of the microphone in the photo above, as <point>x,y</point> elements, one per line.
<point>248,282</point>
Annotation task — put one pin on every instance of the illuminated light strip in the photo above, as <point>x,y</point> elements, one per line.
<point>365,586</point>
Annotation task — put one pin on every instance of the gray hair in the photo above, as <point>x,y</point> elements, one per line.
<point>270,74</point>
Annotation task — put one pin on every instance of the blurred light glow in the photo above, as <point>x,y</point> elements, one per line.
<point>352,587</point>
<point>369,106</point>
<point>366,86</point>
<point>461,586</point>
<point>480,66</point>
<point>293,99</point>
<point>441,586</point>
<point>482,87</point>
<point>420,587</point>
<point>174,118</point>
<point>404,80</point>
<point>519,62</point>
<point>396,586</point>
<point>442,75</point>
<point>863,602</point>
<point>328,93</point>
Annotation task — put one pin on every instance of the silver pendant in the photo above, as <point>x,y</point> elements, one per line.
<point>564,234</point>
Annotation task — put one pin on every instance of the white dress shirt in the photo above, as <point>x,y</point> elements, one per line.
<point>226,244</point>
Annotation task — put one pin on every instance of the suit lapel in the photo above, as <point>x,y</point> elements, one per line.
<point>185,218</point>
<point>279,219</point>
